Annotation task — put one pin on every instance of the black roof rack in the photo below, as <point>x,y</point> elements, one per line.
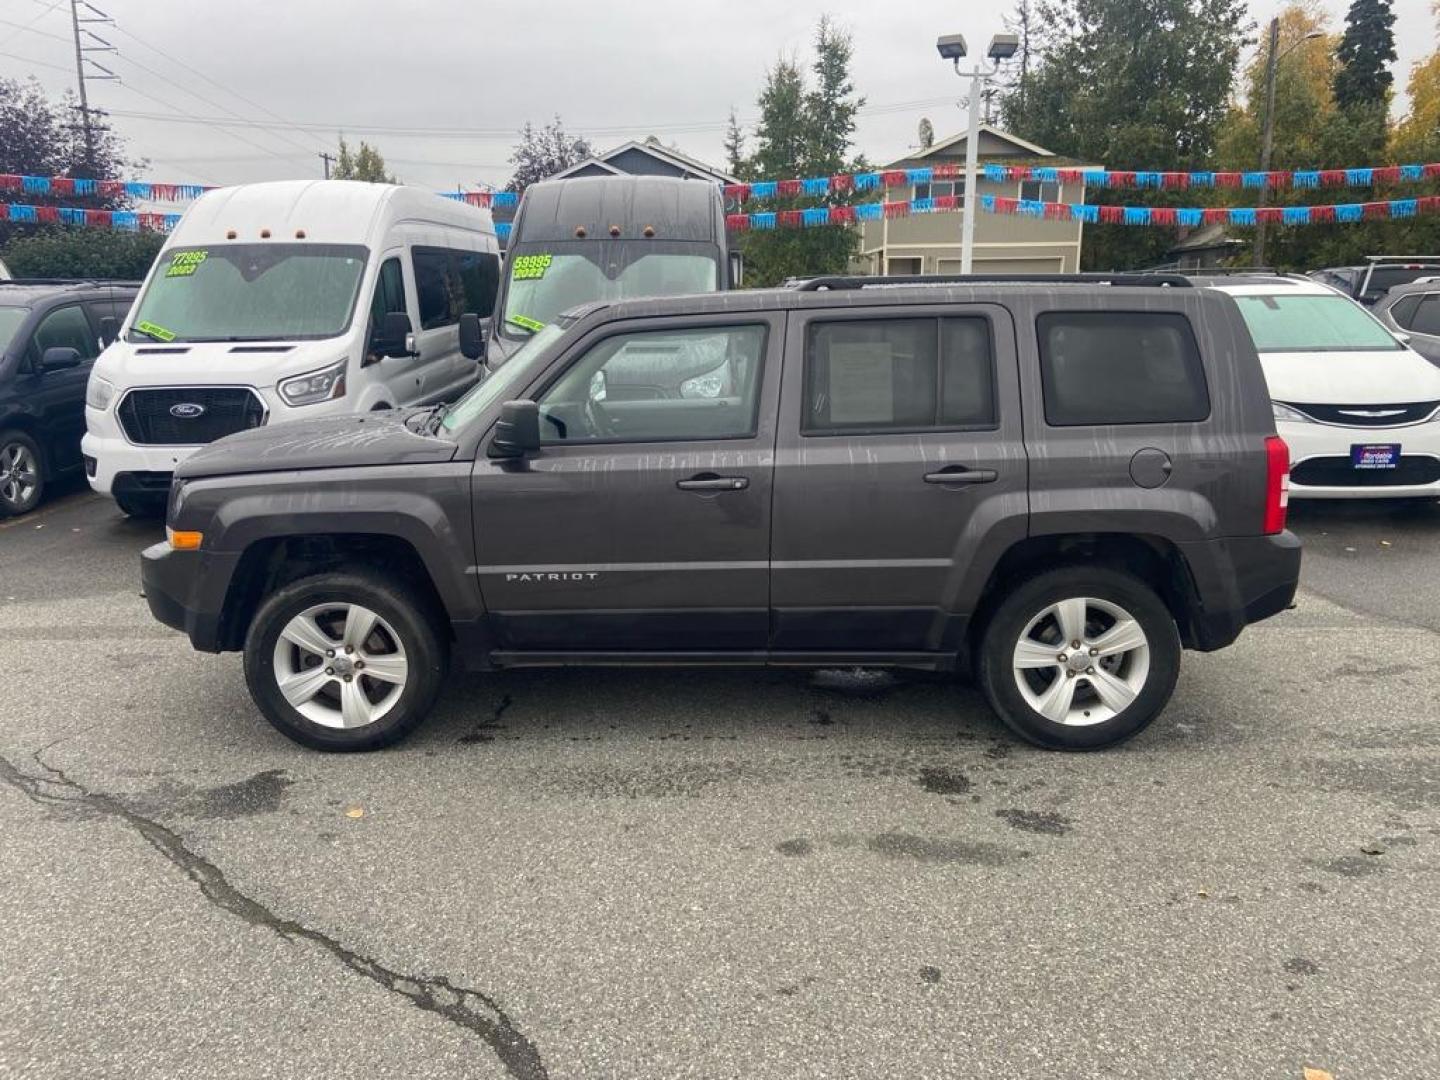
<point>77,282</point>
<point>861,281</point>
<point>1229,271</point>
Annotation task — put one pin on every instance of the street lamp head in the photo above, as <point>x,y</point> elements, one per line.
<point>1003,47</point>
<point>951,46</point>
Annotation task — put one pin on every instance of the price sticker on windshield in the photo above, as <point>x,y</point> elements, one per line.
<point>185,263</point>
<point>530,267</point>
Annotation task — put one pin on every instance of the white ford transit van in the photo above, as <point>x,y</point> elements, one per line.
<point>280,301</point>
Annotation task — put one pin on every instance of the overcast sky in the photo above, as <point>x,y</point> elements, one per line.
<point>472,71</point>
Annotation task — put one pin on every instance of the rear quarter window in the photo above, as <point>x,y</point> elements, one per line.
<point>1115,367</point>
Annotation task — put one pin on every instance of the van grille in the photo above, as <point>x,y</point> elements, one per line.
<point>1395,415</point>
<point>1411,469</point>
<point>149,416</point>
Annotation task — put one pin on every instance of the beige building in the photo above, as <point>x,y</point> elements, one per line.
<point>1004,243</point>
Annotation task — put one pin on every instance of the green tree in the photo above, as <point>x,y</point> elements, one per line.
<point>805,129</point>
<point>543,152</point>
<point>1367,49</point>
<point>734,145</point>
<point>58,251</point>
<point>364,163</point>
<point>1130,84</point>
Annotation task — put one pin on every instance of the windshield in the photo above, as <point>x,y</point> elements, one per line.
<point>499,383</point>
<point>546,280</point>
<point>250,292</point>
<point>10,320</point>
<point>1312,324</point>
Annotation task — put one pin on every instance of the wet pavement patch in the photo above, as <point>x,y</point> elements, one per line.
<point>928,849</point>
<point>794,848</point>
<point>930,974</point>
<point>485,732</point>
<point>1298,965</point>
<point>1351,865</point>
<point>1036,821</point>
<point>944,781</point>
<point>260,794</point>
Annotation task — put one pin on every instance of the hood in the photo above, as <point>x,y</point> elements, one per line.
<point>1389,377</point>
<point>260,364</point>
<point>337,442</point>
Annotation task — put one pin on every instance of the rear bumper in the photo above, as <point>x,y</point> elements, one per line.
<point>186,591</point>
<point>1238,581</point>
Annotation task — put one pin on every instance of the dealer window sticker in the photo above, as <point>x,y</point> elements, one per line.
<point>530,267</point>
<point>185,263</point>
<point>155,330</point>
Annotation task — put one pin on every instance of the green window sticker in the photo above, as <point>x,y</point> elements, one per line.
<point>527,323</point>
<point>155,330</point>
<point>185,263</point>
<point>530,267</point>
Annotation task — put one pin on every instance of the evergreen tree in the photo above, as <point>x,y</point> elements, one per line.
<point>734,145</point>
<point>364,164</point>
<point>1366,51</point>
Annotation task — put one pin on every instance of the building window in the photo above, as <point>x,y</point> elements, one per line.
<point>941,189</point>
<point>1041,191</point>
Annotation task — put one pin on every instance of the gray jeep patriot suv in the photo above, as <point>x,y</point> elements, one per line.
<point>1056,484</point>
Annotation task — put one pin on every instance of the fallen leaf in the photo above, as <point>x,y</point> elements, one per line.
<point>354,811</point>
<point>1203,895</point>
<point>1349,549</point>
<point>1385,543</point>
<point>1317,1074</point>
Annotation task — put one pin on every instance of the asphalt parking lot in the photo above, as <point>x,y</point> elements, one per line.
<point>720,874</point>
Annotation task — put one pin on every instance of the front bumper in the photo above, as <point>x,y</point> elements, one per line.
<point>115,456</point>
<point>1238,581</point>
<point>186,591</point>
<point>1320,455</point>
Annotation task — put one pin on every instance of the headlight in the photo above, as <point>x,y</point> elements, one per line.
<point>709,385</point>
<point>1290,416</point>
<point>323,385</point>
<point>98,393</point>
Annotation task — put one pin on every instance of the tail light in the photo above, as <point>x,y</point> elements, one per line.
<point>1277,484</point>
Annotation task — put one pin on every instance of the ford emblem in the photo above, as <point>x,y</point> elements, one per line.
<point>187,410</point>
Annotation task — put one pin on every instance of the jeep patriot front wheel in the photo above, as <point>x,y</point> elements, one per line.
<point>343,662</point>
<point>1080,658</point>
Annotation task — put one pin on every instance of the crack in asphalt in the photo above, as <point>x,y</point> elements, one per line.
<point>466,1008</point>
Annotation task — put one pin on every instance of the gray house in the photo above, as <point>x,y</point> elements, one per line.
<point>1004,244</point>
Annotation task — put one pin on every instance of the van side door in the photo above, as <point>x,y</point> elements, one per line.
<point>643,522</point>
<point>900,475</point>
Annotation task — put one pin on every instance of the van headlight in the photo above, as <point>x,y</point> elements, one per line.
<point>327,384</point>
<point>709,385</point>
<point>1288,415</point>
<point>98,393</point>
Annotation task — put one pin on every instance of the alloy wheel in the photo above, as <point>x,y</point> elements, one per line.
<point>19,475</point>
<point>340,665</point>
<point>1081,661</point>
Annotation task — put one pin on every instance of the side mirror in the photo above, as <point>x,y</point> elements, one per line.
<point>517,432</point>
<point>59,357</point>
<point>1401,337</point>
<point>109,329</point>
<point>472,337</point>
<point>737,269</point>
<point>394,337</point>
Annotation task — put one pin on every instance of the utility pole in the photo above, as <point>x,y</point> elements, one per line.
<point>1267,136</point>
<point>327,158</point>
<point>95,43</point>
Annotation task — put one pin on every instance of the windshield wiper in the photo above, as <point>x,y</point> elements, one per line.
<point>436,418</point>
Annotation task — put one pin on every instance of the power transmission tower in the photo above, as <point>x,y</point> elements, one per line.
<point>89,69</point>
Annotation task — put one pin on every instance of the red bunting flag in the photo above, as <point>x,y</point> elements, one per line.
<point>789,187</point>
<point>1322,214</point>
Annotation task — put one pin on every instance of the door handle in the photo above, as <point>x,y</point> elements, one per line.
<point>709,481</point>
<point>960,474</point>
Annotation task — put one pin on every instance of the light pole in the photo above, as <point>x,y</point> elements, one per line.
<point>952,47</point>
<point>1267,133</point>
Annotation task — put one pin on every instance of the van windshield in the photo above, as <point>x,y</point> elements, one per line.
<point>250,292</point>
<point>10,320</point>
<point>1312,324</point>
<point>544,280</point>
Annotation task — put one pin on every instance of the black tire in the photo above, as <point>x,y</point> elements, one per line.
<point>19,496</point>
<point>1028,600</point>
<point>415,628</point>
<point>141,507</point>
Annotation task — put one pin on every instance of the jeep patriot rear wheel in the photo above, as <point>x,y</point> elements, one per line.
<point>342,661</point>
<point>1080,658</point>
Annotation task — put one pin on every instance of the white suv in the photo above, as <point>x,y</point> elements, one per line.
<point>1359,410</point>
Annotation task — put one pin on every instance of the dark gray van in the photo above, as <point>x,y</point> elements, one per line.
<point>1057,484</point>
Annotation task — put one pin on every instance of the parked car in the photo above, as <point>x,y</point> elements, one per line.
<point>1359,410</point>
<point>287,301</point>
<point>50,334</point>
<point>1380,274</point>
<point>1414,311</point>
<point>5,274</point>
<point>1062,484</point>
<point>608,238</point>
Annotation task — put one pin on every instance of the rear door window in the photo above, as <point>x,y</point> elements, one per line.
<point>1111,367</point>
<point>882,375</point>
<point>1426,319</point>
<point>436,287</point>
